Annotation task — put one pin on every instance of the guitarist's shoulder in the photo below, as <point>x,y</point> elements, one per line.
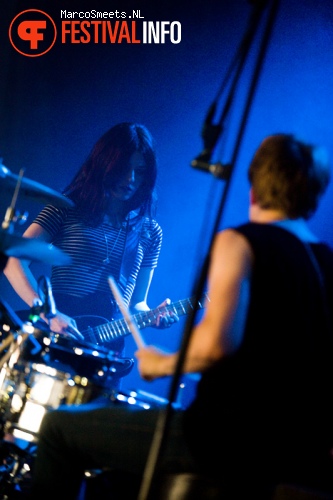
<point>149,228</point>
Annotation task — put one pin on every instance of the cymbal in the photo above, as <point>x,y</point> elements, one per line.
<point>34,190</point>
<point>17,246</point>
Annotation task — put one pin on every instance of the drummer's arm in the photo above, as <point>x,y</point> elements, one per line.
<point>18,272</point>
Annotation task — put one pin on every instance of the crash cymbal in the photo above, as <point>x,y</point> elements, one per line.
<point>13,245</point>
<point>33,190</point>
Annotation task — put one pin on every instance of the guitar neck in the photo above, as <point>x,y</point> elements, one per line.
<point>118,328</point>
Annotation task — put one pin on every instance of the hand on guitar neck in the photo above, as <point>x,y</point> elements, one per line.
<point>165,315</point>
<point>98,330</point>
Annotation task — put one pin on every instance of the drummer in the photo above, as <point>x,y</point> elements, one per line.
<point>111,231</point>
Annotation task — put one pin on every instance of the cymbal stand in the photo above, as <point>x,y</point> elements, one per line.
<point>18,331</point>
<point>15,461</point>
<point>11,216</point>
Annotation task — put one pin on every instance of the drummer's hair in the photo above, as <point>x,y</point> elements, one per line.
<point>289,175</point>
<point>89,189</point>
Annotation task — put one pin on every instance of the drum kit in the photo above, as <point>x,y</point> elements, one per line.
<point>40,370</point>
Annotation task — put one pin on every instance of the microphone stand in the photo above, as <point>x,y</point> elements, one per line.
<point>210,135</point>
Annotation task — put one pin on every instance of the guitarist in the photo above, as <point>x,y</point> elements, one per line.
<point>110,231</point>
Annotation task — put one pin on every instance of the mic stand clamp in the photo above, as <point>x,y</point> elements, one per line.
<point>219,170</point>
<point>11,215</point>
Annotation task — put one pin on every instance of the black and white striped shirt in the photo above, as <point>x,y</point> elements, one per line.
<point>97,252</point>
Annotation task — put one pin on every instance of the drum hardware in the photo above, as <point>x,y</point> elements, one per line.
<point>29,390</point>
<point>141,399</point>
<point>59,374</point>
<point>12,245</point>
<point>88,360</point>
<point>15,340</point>
<point>39,372</point>
<point>8,317</point>
<point>15,468</point>
<point>14,334</point>
<point>32,189</point>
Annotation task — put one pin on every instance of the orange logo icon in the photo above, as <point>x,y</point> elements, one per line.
<point>32,33</point>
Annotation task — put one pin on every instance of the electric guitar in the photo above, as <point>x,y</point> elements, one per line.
<point>96,332</point>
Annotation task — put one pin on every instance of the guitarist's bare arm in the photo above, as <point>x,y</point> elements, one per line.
<point>166,316</point>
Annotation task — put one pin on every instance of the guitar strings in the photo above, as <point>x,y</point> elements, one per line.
<point>116,328</point>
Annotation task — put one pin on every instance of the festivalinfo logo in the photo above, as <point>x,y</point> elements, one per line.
<point>33,32</point>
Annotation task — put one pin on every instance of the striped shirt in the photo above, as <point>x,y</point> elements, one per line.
<point>97,252</point>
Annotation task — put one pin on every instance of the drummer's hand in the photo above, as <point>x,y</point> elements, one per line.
<point>154,362</point>
<point>65,325</point>
<point>167,317</point>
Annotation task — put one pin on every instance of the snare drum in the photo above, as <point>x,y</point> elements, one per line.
<point>29,390</point>
<point>48,371</point>
<point>96,363</point>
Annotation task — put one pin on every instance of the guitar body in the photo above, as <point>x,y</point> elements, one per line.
<point>89,324</point>
<point>98,357</point>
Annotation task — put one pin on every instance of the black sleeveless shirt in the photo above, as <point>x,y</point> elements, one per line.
<point>268,406</point>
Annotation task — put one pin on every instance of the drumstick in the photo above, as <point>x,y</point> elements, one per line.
<point>124,310</point>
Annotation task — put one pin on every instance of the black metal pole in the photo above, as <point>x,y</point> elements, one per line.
<point>165,415</point>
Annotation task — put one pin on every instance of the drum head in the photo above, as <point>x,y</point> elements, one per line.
<point>94,362</point>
